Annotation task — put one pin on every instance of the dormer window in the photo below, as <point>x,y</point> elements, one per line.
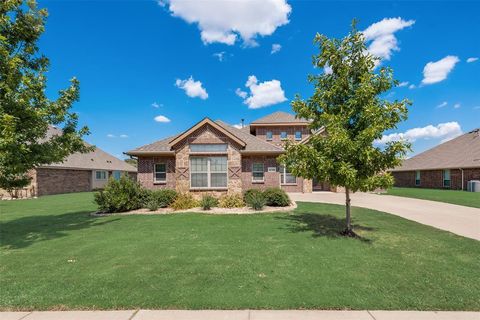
<point>283,135</point>
<point>298,135</point>
<point>269,136</point>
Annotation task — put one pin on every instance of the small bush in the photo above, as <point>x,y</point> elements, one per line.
<point>251,192</point>
<point>256,200</point>
<point>184,201</point>
<point>208,202</point>
<point>152,205</point>
<point>231,201</point>
<point>120,195</point>
<point>163,197</point>
<point>276,197</point>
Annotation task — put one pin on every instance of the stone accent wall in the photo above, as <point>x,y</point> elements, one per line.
<point>145,174</point>
<point>27,192</point>
<point>54,181</point>
<point>261,132</point>
<point>434,178</point>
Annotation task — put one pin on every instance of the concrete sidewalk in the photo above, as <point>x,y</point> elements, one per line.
<point>461,220</point>
<point>239,315</point>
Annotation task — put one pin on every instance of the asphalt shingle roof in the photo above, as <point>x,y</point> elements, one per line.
<point>280,117</point>
<point>97,159</point>
<point>461,152</point>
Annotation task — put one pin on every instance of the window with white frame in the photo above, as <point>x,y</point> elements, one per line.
<point>208,172</point>
<point>286,177</point>
<point>219,147</point>
<point>446,178</point>
<point>101,175</point>
<point>283,135</point>
<point>269,135</point>
<point>298,135</point>
<point>160,173</point>
<point>417,177</point>
<point>257,172</point>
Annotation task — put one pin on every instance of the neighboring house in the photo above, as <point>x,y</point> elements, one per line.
<point>215,157</point>
<point>449,165</point>
<point>78,172</point>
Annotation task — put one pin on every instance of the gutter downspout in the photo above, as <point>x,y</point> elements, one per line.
<point>462,178</point>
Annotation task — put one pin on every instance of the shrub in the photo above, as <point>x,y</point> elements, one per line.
<point>152,205</point>
<point>256,200</point>
<point>276,197</point>
<point>231,201</point>
<point>208,202</point>
<point>163,197</point>
<point>120,195</point>
<point>184,201</point>
<point>251,192</point>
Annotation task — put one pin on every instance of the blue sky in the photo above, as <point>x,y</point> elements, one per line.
<point>134,60</point>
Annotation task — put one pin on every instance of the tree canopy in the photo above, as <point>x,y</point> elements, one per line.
<point>26,113</point>
<point>348,114</point>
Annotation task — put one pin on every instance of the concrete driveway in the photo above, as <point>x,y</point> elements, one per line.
<point>464,221</point>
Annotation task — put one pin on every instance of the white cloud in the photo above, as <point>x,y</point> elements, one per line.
<point>443,104</point>
<point>456,105</point>
<point>327,69</point>
<point>219,55</point>
<point>161,119</point>
<point>242,94</point>
<point>225,21</point>
<point>238,126</point>
<point>110,135</point>
<point>412,86</point>
<point>381,35</point>
<point>472,59</point>
<point>123,136</point>
<point>403,84</point>
<point>437,71</point>
<point>444,131</point>
<point>156,105</point>
<point>275,48</point>
<point>262,94</point>
<point>192,88</point>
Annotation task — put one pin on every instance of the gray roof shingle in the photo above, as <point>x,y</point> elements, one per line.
<point>461,152</point>
<point>279,117</point>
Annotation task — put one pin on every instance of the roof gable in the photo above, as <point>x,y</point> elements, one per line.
<point>206,121</point>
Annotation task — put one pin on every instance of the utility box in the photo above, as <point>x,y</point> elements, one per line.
<point>473,186</point>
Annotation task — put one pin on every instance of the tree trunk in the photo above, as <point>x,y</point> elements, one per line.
<point>348,230</point>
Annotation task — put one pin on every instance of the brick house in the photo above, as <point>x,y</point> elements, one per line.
<point>77,173</point>
<point>449,165</point>
<point>217,158</point>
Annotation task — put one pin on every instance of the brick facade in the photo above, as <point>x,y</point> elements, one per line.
<point>261,132</point>
<point>54,181</point>
<point>433,179</point>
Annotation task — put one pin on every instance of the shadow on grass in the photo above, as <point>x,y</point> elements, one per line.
<point>322,225</point>
<point>25,231</point>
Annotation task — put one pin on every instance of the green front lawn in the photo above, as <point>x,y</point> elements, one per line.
<point>53,255</point>
<point>463,198</point>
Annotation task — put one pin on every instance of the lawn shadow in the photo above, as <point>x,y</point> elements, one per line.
<point>25,231</point>
<point>322,225</point>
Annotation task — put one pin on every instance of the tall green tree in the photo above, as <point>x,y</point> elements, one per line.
<point>348,115</point>
<point>25,111</point>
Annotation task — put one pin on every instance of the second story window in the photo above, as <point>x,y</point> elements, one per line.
<point>269,136</point>
<point>298,135</point>
<point>283,135</point>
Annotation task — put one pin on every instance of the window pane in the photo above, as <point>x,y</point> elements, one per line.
<point>298,135</point>
<point>257,176</point>
<point>208,147</point>
<point>160,167</point>
<point>283,135</point>
<point>258,167</point>
<point>446,174</point>
<point>199,180</point>
<point>218,179</point>
<point>160,176</point>
<point>199,164</point>
<point>289,178</point>
<point>269,135</point>
<point>218,164</point>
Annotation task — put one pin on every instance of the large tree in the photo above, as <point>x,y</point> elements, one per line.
<point>25,111</point>
<point>348,113</point>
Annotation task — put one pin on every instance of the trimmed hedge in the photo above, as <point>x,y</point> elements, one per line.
<point>120,195</point>
<point>276,197</point>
